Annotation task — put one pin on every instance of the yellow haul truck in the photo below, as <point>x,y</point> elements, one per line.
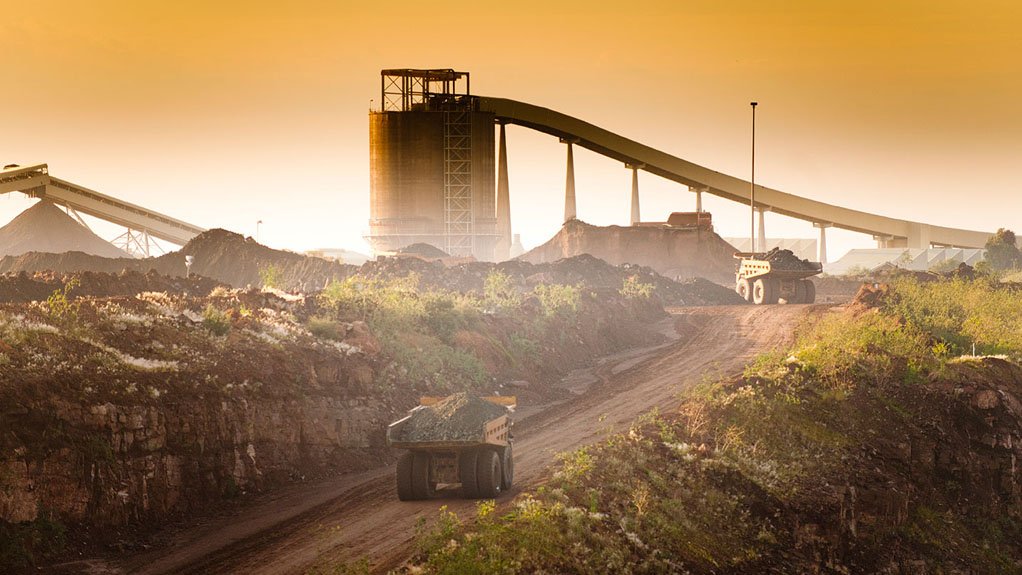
<point>766,278</point>
<point>461,440</point>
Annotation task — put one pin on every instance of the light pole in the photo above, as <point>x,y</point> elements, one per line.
<point>752,187</point>
<point>257,230</point>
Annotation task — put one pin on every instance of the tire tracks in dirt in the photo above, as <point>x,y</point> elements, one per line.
<point>360,516</point>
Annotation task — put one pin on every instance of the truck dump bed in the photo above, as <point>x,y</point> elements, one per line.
<point>777,263</point>
<point>458,421</point>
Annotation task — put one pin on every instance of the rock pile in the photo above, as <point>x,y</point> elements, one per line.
<point>786,260</point>
<point>459,417</point>
<point>45,228</point>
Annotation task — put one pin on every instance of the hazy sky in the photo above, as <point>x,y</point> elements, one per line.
<point>222,114</point>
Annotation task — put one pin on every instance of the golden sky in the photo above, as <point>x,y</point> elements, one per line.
<point>225,113</point>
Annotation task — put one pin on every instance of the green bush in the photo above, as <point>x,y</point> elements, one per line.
<point>59,307</point>
<point>500,292</point>
<point>216,321</point>
<point>271,277</point>
<point>634,289</point>
<point>558,299</point>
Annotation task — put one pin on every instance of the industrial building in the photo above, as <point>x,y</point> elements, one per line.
<point>431,164</point>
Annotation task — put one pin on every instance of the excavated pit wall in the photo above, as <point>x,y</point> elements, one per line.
<point>139,463</point>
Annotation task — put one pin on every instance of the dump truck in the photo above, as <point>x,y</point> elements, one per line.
<point>767,278</point>
<point>459,440</point>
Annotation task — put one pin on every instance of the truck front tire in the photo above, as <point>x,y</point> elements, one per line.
<point>743,289</point>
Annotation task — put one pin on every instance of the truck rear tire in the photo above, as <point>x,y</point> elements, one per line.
<point>467,461</point>
<point>743,289</point>
<point>810,291</point>
<point>800,293</point>
<point>489,474</point>
<point>404,477</point>
<point>764,291</point>
<point>507,466</point>
<point>422,488</point>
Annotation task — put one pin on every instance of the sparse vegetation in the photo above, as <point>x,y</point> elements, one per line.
<point>59,307</point>
<point>633,288</point>
<point>729,482</point>
<point>215,320</point>
<point>1002,251</point>
<point>271,276</point>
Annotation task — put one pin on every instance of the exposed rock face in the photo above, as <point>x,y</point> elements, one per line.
<point>673,252</point>
<point>142,411</point>
<point>143,462</point>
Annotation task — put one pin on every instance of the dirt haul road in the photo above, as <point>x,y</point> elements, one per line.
<point>345,519</point>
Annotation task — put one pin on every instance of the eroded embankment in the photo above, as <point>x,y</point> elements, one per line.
<point>121,412</point>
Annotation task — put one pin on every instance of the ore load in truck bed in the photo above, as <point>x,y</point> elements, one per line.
<point>785,260</point>
<point>460,417</point>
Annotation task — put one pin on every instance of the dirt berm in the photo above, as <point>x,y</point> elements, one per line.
<point>230,258</point>
<point>673,252</point>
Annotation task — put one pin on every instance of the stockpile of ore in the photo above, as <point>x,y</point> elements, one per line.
<point>459,417</point>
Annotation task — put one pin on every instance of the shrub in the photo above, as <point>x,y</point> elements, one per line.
<point>500,292</point>
<point>216,321</point>
<point>59,307</point>
<point>634,289</point>
<point>271,277</point>
<point>558,299</point>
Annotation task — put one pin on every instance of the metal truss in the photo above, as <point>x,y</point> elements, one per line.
<point>458,221</point>
<point>137,244</point>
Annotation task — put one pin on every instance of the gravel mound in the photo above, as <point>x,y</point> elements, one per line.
<point>423,250</point>
<point>459,417</point>
<point>46,228</point>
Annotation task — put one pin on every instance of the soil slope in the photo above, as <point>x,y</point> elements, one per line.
<point>675,253</point>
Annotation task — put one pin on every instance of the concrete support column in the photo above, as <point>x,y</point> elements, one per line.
<point>503,247</point>
<point>699,196</point>
<point>569,185</point>
<point>823,241</point>
<point>919,236</point>
<point>762,245</point>
<point>636,218</point>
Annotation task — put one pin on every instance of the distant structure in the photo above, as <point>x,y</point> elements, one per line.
<point>864,261</point>
<point>431,166</point>
<point>142,224</point>
<point>339,255</point>
<point>801,247</point>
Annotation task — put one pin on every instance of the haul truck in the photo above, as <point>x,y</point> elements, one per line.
<point>455,440</point>
<point>767,278</point>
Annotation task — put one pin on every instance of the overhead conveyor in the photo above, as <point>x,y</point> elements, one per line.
<point>36,181</point>
<point>891,232</point>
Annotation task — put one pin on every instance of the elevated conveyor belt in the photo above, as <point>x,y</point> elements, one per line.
<point>36,181</point>
<point>912,234</point>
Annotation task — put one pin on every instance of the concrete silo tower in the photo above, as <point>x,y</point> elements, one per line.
<point>431,164</point>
